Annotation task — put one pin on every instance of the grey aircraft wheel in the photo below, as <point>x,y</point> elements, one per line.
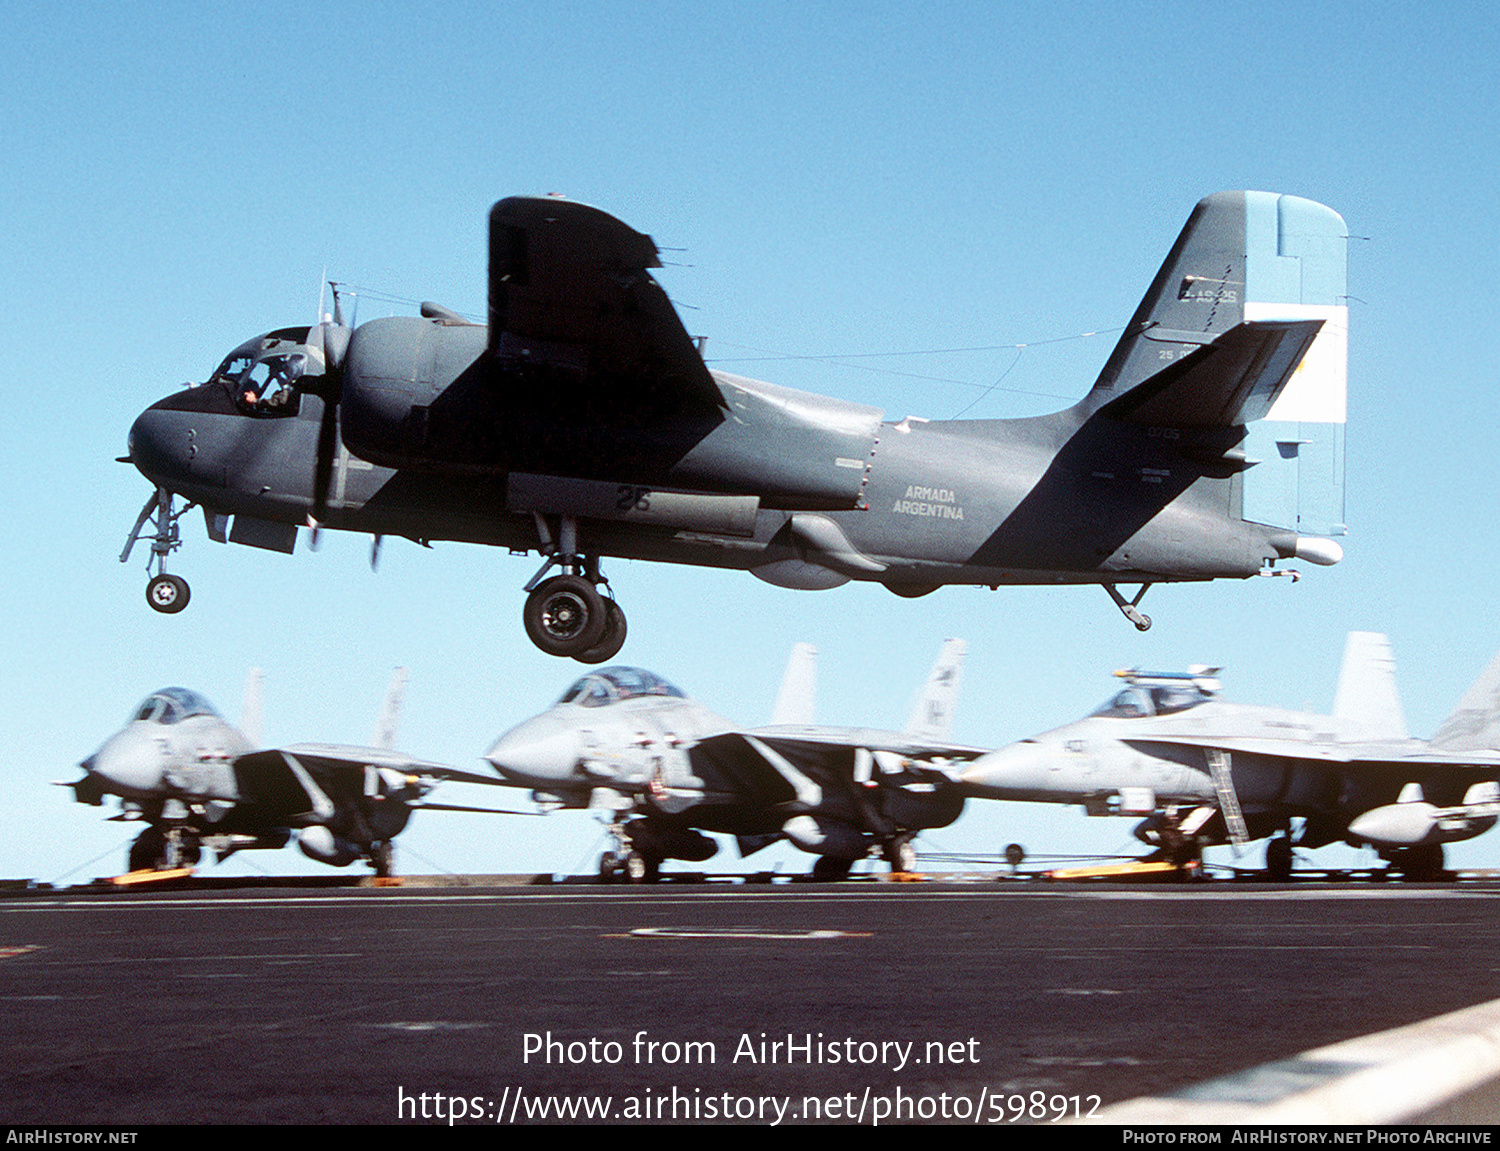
<point>565,616</point>
<point>640,868</point>
<point>901,856</point>
<point>168,594</point>
<point>383,858</point>
<point>614,636</point>
<point>609,863</point>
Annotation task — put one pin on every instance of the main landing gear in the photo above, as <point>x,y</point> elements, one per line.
<point>165,593</point>
<point>566,615</point>
<point>1131,610</point>
<point>162,849</point>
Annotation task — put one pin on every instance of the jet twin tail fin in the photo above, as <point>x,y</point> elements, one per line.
<point>795,700</point>
<point>932,718</point>
<point>1367,695</point>
<point>1475,722</point>
<point>390,714</point>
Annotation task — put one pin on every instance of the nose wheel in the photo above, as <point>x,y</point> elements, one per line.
<point>168,594</point>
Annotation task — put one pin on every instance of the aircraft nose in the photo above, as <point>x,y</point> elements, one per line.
<point>1019,767</point>
<point>537,751</point>
<point>157,445</point>
<point>129,763</point>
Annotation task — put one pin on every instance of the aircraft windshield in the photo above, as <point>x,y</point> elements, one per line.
<point>600,688</point>
<point>174,704</point>
<point>262,375</point>
<point>1138,701</point>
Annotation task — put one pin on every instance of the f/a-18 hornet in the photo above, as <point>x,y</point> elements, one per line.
<point>663,769</point>
<point>197,781</point>
<point>1204,771</point>
<point>582,422</point>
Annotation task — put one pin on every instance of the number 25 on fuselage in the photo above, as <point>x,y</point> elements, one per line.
<point>581,421</point>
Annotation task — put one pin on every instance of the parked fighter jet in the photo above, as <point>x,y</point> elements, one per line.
<point>1204,771</point>
<point>663,769</point>
<point>199,782</point>
<point>582,422</point>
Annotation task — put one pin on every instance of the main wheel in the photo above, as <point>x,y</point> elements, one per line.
<point>901,856</point>
<point>1279,859</point>
<point>168,594</point>
<point>614,636</point>
<point>565,616</point>
<point>149,851</point>
<point>827,868</point>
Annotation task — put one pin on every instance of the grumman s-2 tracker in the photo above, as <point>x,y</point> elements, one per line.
<point>582,422</point>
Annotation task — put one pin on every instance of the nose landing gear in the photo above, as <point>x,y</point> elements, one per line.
<point>165,593</point>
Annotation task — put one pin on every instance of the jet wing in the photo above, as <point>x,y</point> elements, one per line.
<point>281,783</point>
<point>1231,381</point>
<point>570,294</point>
<point>338,757</point>
<point>1330,752</point>
<point>814,740</point>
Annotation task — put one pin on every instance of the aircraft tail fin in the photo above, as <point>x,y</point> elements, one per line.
<point>250,710</point>
<point>796,698</point>
<point>1367,694</point>
<point>1245,258</point>
<point>390,714</point>
<point>932,717</point>
<point>1475,722</point>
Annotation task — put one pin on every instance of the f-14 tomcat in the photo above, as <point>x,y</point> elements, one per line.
<point>1206,771</point>
<point>582,422</point>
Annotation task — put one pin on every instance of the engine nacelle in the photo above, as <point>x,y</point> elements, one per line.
<point>822,836</point>
<point>321,844</point>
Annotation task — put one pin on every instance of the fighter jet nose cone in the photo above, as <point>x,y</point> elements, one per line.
<point>128,764</point>
<point>1009,768</point>
<point>149,444</point>
<point>535,752</point>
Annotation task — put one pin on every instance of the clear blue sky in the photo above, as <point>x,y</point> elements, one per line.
<point>831,178</point>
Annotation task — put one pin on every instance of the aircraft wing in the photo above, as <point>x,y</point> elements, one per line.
<point>337,757</point>
<point>311,778</point>
<point>1410,752</point>
<point>820,740</point>
<point>1231,381</point>
<point>570,294</point>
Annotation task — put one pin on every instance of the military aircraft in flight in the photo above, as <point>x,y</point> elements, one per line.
<point>196,781</point>
<point>582,422</point>
<point>663,769</point>
<point>1204,771</point>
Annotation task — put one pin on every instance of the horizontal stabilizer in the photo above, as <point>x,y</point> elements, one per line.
<point>1367,697</point>
<point>1475,722</point>
<point>1231,381</point>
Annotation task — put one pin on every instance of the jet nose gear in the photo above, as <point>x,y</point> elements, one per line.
<point>165,593</point>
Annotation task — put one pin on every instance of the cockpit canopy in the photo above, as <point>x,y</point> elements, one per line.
<point>1140,700</point>
<point>613,684</point>
<point>262,375</point>
<point>173,705</point>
